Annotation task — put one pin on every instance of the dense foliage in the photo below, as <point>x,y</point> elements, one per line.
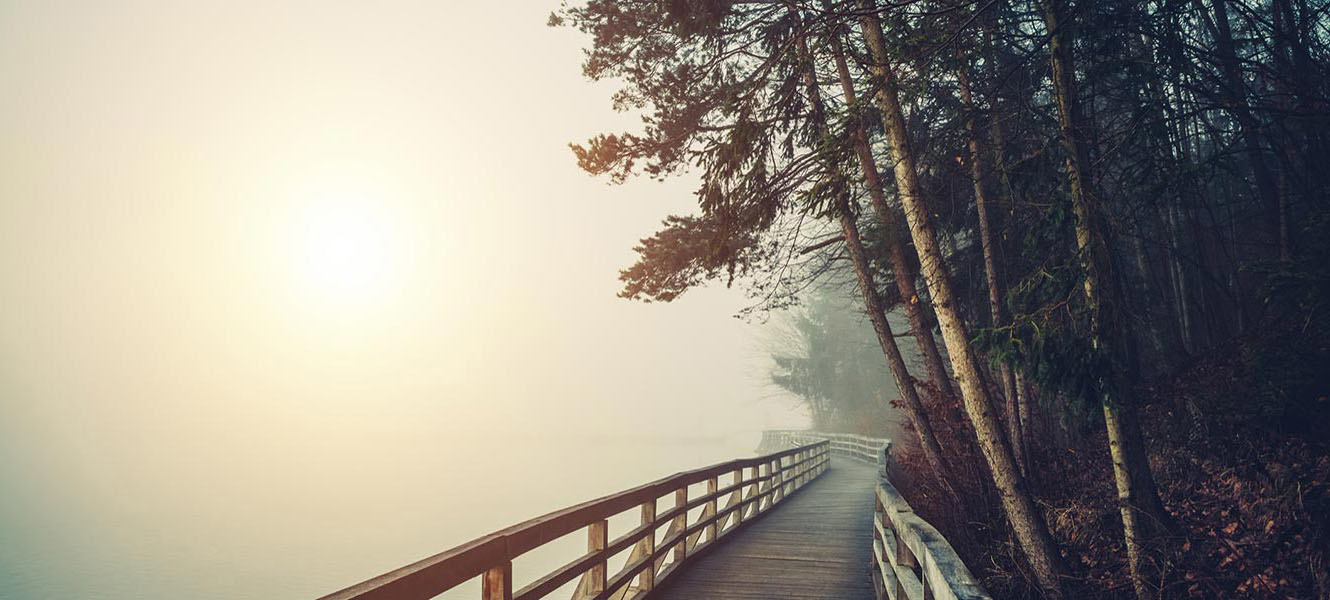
<point>823,354</point>
<point>1100,199</point>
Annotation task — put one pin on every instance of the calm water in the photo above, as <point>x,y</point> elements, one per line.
<point>270,526</point>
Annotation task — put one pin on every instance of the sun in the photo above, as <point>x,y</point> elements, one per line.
<point>343,253</point>
<point>347,246</point>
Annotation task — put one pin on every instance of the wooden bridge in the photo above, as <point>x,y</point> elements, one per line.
<point>814,516</point>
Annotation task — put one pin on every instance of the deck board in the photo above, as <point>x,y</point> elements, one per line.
<point>815,544</point>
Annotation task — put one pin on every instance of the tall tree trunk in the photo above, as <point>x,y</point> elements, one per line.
<point>977,169</point>
<point>1172,220</point>
<point>1163,168</point>
<point>1138,500</point>
<point>1006,193</point>
<point>914,407</point>
<point>898,254</point>
<point>1289,99</point>
<point>1023,401</point>
<point>1027,523</point>
<point>872,301</point>
<point>1233,93</point>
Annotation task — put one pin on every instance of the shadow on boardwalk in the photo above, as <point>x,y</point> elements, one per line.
<point>817,544</point>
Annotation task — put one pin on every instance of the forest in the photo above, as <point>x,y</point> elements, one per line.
<point>1101,226</point>
<point>824,356</point>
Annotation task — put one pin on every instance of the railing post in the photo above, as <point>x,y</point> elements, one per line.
<point>597,538</point>
<point>788,475</point>
<point>497,582</point>
<point>883,455</point>
<point>739,487</point>
<point>763,500</point>
<point>647,579</point>
<point>713,484</point>
<point>756,488</point>
<point>905,558</point>
<point>794,471</point>
<point>681,521</point>
<point>785,475</point>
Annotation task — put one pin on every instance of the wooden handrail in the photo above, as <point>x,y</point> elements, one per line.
<point>770,478</point>
<point>913,560</point>
<point>859,447</point>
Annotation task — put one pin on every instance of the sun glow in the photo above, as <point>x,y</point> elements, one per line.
<point>347,245</point>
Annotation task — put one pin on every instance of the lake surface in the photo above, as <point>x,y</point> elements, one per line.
<point>303,523</point>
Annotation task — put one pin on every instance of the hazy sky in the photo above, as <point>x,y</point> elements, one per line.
<point>291,226</point>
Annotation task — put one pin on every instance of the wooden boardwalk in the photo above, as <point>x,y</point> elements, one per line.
<point>790,524</point>
<point>816,544</point>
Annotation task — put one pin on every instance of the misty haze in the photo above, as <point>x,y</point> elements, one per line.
<point>664,299</point>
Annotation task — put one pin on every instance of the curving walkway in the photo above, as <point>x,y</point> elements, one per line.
<point>816,544</point>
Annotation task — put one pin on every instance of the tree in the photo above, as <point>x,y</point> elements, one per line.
<point>822,353</point>
<point>1026,520</point>
<point>1139,500</point>
<point>1085,225</point>
<point>745,183</point>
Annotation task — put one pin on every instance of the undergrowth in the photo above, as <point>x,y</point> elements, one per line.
<point>1238,446</point>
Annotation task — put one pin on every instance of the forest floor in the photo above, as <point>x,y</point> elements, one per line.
<point>1244,474</point>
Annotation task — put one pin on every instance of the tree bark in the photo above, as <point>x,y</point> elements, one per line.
<point>1026,521</point>
<point>1021,445</point>
<point>1137,496</point>
<point>898,254</point>
<point>1006,377</point>
<point>872,301</point>
<point>914,407</point>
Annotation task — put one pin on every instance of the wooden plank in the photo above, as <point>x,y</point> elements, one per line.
<point>889,542</point>
<point>593,581</point>
<point>681,521</point>
<point>618,587</point>
<point>675,534</point>
<point>597,538</point>
<point>647,579</point>
<point>908,584</point>
<point>813,545</point>
<point>886,572</point>
<point>424,578</point>
<point>497,584</point>
<point>540,587</point>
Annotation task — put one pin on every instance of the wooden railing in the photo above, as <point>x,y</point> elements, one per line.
<point>859,447</point>
<point>911,559</point>
<point>754,486</point>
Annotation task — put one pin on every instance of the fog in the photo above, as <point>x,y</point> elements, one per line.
<point>292,295</point>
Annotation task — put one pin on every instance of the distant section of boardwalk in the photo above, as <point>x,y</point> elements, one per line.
<point>818,544</point>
